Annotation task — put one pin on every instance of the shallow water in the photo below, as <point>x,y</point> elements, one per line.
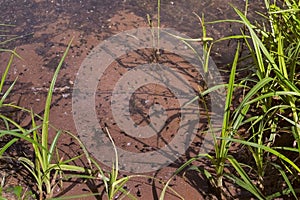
<point>46,26</point>
<point>93,16</point>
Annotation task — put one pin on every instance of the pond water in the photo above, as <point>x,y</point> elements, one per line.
<point>45,27</point>
<point>94,16</point>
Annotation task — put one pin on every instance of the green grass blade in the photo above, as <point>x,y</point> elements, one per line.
<point>246,182</point>
<point>286,179</point>
<point>225,21</point>
<point>67,167</point>
<point>281,58</point>
<point>13,123</point>
<point>259,47</point>
<point>181,168</point>
<point>251,93</point>
<point>266,148</point>
<point>233,37</point>
<point>249,185</point>
<point>37,149</point>
<point>7,145</point>
<point>290,121</point>
<point>7,92</point>
<point>45,125</point>
<point>28,164</point>
<point>102,175</point>
<point>295,56</point>
<point>226,119</point>
<point>52,146</point>
<point>244,185</point>
<point>287,149</point>
<point>287,84</point>
<point>3,78</point>
<point>18,135</point>
<point>272,94</point>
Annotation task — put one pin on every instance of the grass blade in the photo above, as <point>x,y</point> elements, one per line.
<point>45,125</point>
<point>246,183</point>
<point>286,179</point>
<point>266,148</point>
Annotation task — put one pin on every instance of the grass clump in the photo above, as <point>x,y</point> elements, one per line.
<point>274,50</point>
<point>266,119</point>
<point>47,167</point>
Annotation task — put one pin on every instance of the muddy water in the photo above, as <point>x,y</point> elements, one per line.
<point>46,26</point>
<point>93,16</point>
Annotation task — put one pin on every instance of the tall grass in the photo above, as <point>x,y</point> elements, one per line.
<point>6,122</point>
<point>275,52</point>
<point>45,168</point>
<point>269,107</point>
<point>274,95</point>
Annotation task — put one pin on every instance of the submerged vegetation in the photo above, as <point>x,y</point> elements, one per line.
<point>261,117</point>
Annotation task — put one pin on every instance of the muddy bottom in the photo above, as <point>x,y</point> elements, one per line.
<point>44,29</point>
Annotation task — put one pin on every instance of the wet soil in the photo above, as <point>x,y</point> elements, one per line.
<point>45,28</point>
